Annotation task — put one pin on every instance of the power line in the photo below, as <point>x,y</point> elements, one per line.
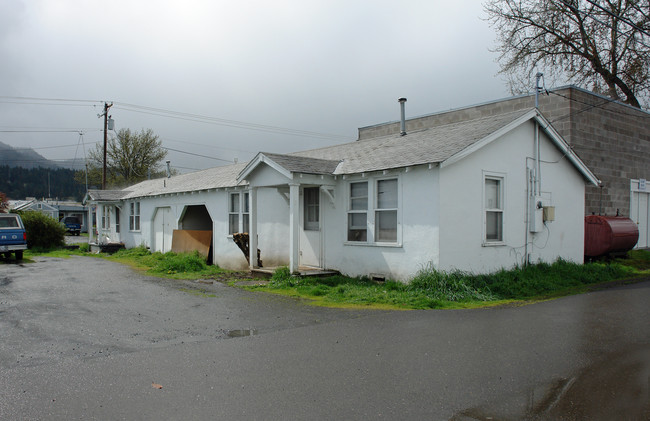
<point>167,139</point>
<point>177,115</point>
<point>48,131</point>
<point>224,122</point>
<point>25,98</point>
<point>589,106</point>
<point>43,147</point>
<point>196,154</point>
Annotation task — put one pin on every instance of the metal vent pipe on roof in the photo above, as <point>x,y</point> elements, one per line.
<point>169,170</point>
<point>402,127</point>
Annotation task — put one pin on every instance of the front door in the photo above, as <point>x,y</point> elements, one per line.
<point>310,235</point>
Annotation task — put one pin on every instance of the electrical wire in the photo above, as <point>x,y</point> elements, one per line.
<point>196,154</point>
<point>224,122</point>
<point>48,131</point>
<point>25,98</point>
<point>179,115</point>
<point>590,106</point>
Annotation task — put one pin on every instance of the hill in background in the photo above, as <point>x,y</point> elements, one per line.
<point>26,173</point>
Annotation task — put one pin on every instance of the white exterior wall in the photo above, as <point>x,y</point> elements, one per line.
<point>272,225</point>
<point>418,217</point>
<point>462,211</point>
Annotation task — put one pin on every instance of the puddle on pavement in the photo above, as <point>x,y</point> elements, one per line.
<point>238,333</point>
<point>617,387</point>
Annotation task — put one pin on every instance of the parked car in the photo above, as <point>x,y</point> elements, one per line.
<point>72,225</point>
<point>13,237</point>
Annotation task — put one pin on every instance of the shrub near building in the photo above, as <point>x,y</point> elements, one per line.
<point>43,231</point>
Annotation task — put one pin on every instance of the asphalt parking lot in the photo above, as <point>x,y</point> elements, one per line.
<point>84,338</point>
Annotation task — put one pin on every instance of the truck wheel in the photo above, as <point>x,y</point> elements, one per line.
<point>19,255</point>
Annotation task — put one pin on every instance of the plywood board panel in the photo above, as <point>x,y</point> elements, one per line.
<point>190,240</point>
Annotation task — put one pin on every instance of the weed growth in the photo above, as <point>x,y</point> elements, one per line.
<point>431,288</point>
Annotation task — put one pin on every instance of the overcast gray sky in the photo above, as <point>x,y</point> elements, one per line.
<point>318,66</point>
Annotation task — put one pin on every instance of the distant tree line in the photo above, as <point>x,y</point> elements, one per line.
<point>18,183</point>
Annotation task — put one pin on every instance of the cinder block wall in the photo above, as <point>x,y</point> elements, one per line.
<point>611,138</point>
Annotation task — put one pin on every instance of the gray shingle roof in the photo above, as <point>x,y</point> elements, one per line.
<point>212,178</point>
<point>106,195</point>
<point>306,165</point>
<point>432,145</point>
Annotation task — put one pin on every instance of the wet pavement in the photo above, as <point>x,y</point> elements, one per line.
<point>87,307</point>
<point>84,338</point>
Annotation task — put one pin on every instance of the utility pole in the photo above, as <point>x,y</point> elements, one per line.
<point>105,115</point>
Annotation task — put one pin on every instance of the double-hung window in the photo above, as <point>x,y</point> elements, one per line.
<point>493,209</point>
<point>373,209</point>
<point>358,212</point>
<point>106,217</point>
<point>245,212</point>
<point>233,213</point>
<point>238,211</point>
<point>386,211</point>
<point>134,216</point>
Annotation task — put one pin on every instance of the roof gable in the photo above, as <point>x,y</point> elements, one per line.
<point>545,126</point>
<point>290,164</point>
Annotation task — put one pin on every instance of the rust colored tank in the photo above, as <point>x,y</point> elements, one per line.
<point>609,234</point>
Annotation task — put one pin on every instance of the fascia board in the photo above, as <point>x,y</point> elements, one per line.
<point>563,146</point>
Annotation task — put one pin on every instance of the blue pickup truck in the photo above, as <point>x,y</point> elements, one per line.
<point>72,225</point>
<point>13,237</point>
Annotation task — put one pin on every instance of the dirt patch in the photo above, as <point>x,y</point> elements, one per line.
<point>254,282</point>
<point>227,277</point>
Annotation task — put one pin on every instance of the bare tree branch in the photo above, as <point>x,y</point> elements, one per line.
<point>600,45</point>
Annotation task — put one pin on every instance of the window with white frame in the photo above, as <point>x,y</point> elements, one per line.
<point>375,204</point>
<point>134,216</point>
<point>233,213</point>
<point>386,211</point>
<point>493,209</point>
<point>106,217</point>
<point>238,211</point>
<point>245,212</point>
<point>311,208</point>
<point>358,212</point>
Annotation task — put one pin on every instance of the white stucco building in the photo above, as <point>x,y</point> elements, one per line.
<point>477,195</point>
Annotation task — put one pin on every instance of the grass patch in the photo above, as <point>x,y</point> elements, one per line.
<point>637,259</point>
<point>52,252</point>
<point>431,288</point>
<point>169,265</point>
